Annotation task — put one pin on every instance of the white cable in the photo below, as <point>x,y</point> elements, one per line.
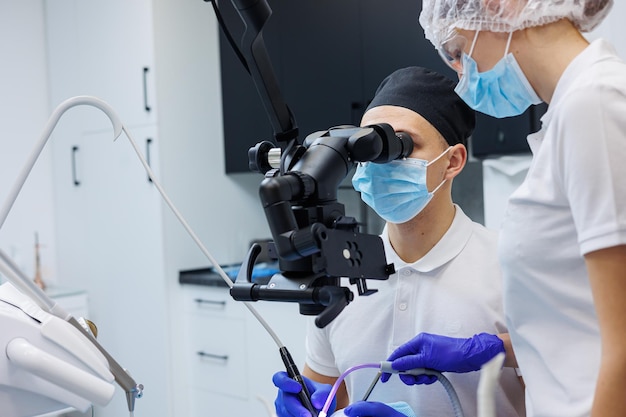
<point>50,125</point>
<point>195,238</point>
<point>29,287</point>
<point>16,277</point>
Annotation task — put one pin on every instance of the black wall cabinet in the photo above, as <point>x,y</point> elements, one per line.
<point>328,57</point>
<point>505,136</point>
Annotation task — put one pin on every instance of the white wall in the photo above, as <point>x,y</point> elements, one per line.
<point>613,28</point>
<point>224,210</point>
<point>227,210</point>
<point>23,114</point>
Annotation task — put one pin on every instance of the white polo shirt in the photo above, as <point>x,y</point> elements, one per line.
<point>454,290</point>
<point>572,202</point>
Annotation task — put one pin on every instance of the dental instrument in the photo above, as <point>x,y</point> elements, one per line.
<point>485,398</point>
<point>385,367</point>
<point>38,279</point>
<point>372,386</point>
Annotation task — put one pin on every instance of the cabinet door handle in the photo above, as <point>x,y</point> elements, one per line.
<point>74,177</point>
<point>212,355</point>
<point>145,89</point>
<point>148,143</point>
<point>213,302</point>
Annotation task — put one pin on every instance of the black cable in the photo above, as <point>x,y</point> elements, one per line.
<point>283,156</point>
<point>229,37</point>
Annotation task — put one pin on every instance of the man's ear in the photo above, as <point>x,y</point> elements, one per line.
<point>457,160</point>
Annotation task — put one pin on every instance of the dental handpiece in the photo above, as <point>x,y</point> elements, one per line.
<point>385,366</point>
<point>17,277</point>
<point>132,389</point>
<point>372,386</point>
<point>294,373</point>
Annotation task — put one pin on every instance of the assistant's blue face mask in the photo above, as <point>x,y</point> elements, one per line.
<point>503,91</point>
<point>396,190</point>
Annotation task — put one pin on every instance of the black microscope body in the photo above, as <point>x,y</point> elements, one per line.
<point>315,243</point>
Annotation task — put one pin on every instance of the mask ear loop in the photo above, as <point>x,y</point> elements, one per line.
<point>432,162</point>
<point>473,43</point>
<point>440,156</point>
<point>508,44</point>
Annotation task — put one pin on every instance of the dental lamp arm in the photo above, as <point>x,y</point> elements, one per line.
<point>17,278</point>
<point>50,125</point>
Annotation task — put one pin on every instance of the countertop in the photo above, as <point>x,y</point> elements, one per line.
<point>208,276</point>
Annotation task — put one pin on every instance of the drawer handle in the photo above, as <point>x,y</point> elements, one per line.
<point>211,355</point>
<point>148,143</point>
<point>202,301</point>
<point>74,176</point>
<point>145,89</point>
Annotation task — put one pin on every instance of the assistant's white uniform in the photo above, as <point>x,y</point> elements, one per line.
<point>455,290</point>
<point>572,202</point>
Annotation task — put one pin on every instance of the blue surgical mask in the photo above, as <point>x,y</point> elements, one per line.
<point>503,91</point>
<point>396,190</point>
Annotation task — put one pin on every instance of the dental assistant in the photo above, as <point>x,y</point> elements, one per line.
<point>563,241</point>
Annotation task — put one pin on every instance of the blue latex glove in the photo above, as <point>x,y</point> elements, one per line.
<point>443,354</point>
<point>287,402</point>
<point>376,409</point>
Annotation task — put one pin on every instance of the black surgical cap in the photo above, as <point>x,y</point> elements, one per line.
<point>432,96</point>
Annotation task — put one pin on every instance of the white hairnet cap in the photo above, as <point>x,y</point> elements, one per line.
<point>440,17</point>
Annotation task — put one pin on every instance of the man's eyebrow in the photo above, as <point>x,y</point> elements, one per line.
<point>417,138</point>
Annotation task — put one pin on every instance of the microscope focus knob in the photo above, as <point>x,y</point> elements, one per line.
<point>258,157</point>
<point>273,157</point>
<point>307,182</point>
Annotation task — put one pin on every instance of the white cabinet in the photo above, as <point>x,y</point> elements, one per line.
<point>115,238</point>
<point>119,66</point>
<point>103,49</point>
<point>501,176</point>
<point>110,243</point>
<point>229,357</point>
<point>108,214</point>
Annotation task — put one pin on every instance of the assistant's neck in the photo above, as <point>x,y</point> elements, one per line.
<point>545,52</point>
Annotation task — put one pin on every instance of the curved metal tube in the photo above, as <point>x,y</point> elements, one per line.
<point>45,135</point>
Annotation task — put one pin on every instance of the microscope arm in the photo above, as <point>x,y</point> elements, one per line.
<point>255,14</point>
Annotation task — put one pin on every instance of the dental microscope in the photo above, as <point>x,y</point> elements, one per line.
<point>315,243</point>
